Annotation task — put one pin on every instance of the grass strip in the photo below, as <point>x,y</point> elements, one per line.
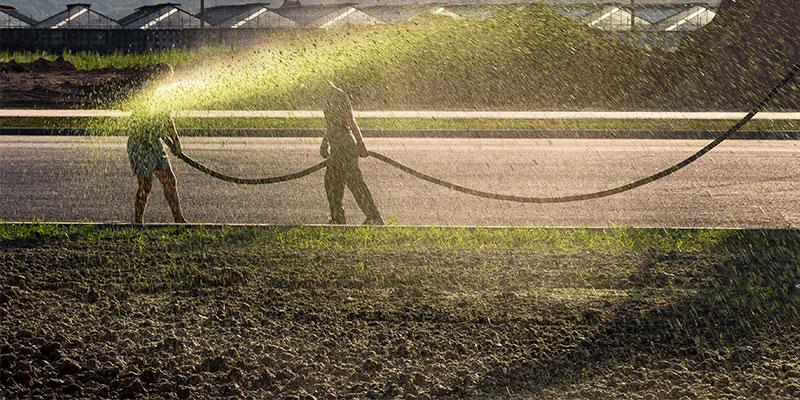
<point>611,240</point>
<point>193,125</point>
<point>86,61</point>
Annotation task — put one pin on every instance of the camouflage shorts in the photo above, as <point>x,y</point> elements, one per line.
<point>147,158</point>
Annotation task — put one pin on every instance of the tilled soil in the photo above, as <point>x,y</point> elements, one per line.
<point>165,319</point>
<point>58,84</point>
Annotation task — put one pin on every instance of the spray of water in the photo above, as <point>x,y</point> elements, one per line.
<point>431,61</point>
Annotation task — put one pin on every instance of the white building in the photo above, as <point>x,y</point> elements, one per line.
<point>325,16</point>
<point>11,18</point>
<point>160,16</point>
<point>397,13</point>
<point>688,20</point>
<point>253,15</point>
<point>472,11</point>
<point>78,16</point>
<point>615,18</point>
<point>655,15</point>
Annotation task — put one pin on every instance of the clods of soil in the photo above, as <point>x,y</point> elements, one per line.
<point>169,319</point>
<point>58,84</point>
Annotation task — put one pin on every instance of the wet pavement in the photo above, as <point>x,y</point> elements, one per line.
<point>427,114</point>
<point>739,184</point>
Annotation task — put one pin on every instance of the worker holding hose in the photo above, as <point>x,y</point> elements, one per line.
<point>342,145</point>
<point>148,158</point>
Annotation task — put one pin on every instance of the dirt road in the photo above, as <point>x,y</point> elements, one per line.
<point>741,184</point>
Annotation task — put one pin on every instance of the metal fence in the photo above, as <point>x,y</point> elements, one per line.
<point>124,40</point>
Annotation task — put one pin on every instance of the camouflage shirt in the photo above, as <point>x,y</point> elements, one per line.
<point>338,114</point>
<point>147,130</point>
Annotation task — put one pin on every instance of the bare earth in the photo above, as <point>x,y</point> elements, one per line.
<point>740,184</point>
<point>57,84</point>
<point>398,313</point>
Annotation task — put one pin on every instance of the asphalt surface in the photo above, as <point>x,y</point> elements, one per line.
<point>740,184</point>
<point>610,115</point>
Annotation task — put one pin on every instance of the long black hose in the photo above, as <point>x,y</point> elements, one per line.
<point>790,76</point>
<point>253,181</point>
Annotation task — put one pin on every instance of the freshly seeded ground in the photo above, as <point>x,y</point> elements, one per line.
<point>262,126</point>
<point>87,61</point>
<point>376,313</point>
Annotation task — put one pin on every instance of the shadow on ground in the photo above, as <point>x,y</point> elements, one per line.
<point>736,320</point>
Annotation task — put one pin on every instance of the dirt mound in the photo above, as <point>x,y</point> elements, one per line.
<point>40,65</point>
<point>59,84</point>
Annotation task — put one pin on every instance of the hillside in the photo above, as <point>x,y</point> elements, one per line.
<point>531,58</point>
<point>748,46</point>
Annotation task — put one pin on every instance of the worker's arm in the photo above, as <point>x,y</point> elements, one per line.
<point>175,146</point>
<point>323,147</point>
<point>362,148</point>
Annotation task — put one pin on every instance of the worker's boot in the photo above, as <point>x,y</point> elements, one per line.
<point>376,221</point>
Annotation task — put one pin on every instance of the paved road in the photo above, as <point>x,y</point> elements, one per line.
<point>740,184</point>
<point>542,115</point>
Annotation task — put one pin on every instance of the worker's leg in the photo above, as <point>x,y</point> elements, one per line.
<point>170,184</point>
<point>145,185</point>
<point>334,189</point>
<point>360,190</point>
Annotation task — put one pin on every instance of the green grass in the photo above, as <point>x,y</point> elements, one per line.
<point>580,125</point>
<point>431,60</point>
<point>89,60</point>
<point>612,240</point>
<point>527,58</point>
